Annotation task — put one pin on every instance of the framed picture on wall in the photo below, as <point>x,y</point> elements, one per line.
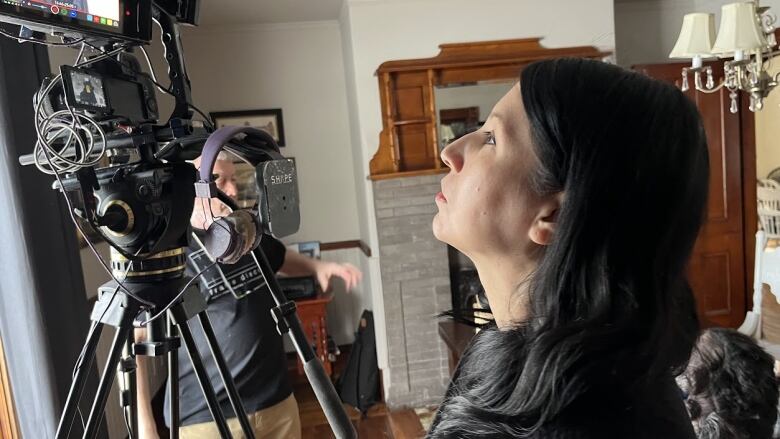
<point>269,121</point>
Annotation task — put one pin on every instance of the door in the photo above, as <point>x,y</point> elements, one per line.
<point>720,270</point>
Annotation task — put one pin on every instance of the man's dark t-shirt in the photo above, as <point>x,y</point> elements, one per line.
<point>246,334</point>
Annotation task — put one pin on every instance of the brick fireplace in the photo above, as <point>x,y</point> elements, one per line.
<point>416,287</point>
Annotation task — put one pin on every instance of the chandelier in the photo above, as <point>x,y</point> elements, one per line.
<point>746,36</point>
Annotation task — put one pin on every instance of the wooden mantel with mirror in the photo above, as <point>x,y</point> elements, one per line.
<point>409,143</point>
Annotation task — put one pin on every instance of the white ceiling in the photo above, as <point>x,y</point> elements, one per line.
<point>244,12</point>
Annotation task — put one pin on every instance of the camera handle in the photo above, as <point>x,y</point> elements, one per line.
<point>180,81</point>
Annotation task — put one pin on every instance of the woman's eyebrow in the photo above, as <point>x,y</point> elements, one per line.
<point>506,130</point>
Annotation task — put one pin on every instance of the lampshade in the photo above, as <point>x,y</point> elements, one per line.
<point>739,29</point>
<point>696,36</point>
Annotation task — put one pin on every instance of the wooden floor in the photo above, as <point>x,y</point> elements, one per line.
<point>377,423</point>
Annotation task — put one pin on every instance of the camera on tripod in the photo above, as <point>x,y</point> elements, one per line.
<point>97,124</point>
<point>128,177</point>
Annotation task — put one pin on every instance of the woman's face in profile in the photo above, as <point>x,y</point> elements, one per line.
<point>486,206</point>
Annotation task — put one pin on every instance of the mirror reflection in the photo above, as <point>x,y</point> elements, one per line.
<point>463,108</point>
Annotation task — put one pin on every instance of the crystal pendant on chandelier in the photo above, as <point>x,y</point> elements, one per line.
<point>745,38</point>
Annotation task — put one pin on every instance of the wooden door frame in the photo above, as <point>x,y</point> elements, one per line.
<point>9,426</point>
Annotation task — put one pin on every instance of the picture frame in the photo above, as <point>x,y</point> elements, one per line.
<point>269,120</point>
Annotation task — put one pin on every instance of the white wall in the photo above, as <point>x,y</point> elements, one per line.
<point>768,131</point>
<point>375,31</point>
<point>645,31</point>
<point>298,68</point>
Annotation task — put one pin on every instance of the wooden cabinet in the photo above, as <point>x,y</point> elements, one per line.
<point>313,316</point>
<point>721,267</point>
<point>408,143</point>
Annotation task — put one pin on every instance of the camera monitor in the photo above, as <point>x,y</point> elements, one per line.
<point>113,19</point>
<point>90,90</point>
<point>85,89</point>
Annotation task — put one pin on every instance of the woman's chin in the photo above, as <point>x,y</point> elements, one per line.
<point>437,228</point>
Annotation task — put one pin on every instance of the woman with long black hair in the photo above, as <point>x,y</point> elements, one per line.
<point>579,202</point>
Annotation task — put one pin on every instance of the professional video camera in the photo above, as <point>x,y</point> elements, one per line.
<point>127,177</point>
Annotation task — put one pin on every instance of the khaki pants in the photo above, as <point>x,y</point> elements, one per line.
<point>280,421</point>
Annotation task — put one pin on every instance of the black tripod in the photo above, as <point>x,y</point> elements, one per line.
<point>116,308</point>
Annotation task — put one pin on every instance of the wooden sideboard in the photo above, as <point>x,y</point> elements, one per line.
<point>313,315</point>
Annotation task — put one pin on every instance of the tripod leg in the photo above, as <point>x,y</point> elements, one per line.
<point>224,372</point>
<point>77,387</point>
<point>128,396</point>
<point>173,381</point>
<point>96,414</point>
<point>286,319</point>
<point>200,372</point>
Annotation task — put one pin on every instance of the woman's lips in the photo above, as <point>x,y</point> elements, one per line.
<point>440,197</point>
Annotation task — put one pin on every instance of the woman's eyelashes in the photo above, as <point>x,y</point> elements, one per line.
<point>490,138</point>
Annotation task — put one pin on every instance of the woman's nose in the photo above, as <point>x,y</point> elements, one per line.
<point>452,155</point>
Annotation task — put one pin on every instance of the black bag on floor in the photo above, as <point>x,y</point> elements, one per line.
<point>359,385</point>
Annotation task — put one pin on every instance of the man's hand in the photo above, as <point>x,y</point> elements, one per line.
<point>350,274</point>
<point>296,264</point>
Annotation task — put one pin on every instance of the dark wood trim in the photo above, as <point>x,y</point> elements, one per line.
<point>405,423</point>
<point>9,428</point>
<point>410,122</point>
<point>408,174</point>
<point>341,245</point>
<point>467,115</point>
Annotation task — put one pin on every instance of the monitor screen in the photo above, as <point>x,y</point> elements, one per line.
<point>130,19</point>
<point>88,90</point>
<point>99,12</point>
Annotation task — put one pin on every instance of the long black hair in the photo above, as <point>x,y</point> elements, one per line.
<point>730,387</point>
<point>609,306</point>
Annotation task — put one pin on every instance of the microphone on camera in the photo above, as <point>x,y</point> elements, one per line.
<point>277,212</point>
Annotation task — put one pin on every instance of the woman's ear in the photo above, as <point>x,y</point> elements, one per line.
<point>546,221</point>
